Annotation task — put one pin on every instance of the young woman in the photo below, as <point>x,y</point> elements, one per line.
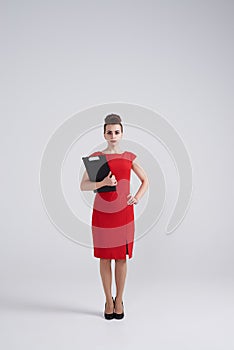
<point>113,214</point>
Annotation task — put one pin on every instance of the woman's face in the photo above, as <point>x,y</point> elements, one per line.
<point>113,134</point>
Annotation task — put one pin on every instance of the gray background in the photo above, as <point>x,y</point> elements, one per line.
<point>174,57</point>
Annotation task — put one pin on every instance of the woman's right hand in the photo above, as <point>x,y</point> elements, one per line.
<point>110,180</point>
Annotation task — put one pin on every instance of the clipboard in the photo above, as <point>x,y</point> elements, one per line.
<point>97,168</point>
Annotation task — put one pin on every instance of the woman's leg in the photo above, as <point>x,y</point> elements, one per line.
<point>106,275</point>
<point>120,276</point>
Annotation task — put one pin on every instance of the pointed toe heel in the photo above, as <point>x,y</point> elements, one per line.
<point>109,316</point>
<point>119,316</point>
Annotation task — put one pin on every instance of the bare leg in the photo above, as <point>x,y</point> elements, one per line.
<point>120,276</point>
<point>106,275</point>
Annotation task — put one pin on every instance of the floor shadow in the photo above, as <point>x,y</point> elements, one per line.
<point>44,306</point>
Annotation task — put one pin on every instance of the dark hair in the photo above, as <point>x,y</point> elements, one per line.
<point>112,119</point>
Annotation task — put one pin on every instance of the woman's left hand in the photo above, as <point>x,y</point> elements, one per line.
<point>131,199</point>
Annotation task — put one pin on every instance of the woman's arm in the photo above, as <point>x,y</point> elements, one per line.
<point>87,185</point>
<point>139,171</point>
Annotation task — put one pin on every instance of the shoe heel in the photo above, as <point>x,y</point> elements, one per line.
<point>109,316</point>
<point>119,316</point>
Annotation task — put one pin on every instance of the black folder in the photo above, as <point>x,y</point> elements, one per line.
<point>97,168</point>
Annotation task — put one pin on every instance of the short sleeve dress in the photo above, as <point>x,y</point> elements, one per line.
<point>112,218</point>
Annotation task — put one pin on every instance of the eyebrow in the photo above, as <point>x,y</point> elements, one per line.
<point>112,130</point>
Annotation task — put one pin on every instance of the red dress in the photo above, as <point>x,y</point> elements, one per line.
<point>112,218</point>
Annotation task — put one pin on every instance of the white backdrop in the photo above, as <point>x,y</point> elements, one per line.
<point>175,57</point>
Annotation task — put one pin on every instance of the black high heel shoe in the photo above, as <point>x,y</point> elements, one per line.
<point>109,316</point>
<point>119,316</point>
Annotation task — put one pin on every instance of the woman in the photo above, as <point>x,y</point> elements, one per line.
<point>113,214</point>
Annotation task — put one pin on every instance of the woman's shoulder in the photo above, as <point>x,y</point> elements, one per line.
<point>96,153</point>
<point>130,155</point>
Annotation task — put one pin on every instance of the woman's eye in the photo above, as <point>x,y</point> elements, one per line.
<point>110,132</point>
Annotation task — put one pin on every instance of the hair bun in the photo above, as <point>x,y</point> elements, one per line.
<point>113,119</point>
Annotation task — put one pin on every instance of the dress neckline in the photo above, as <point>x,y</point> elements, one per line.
<point>112,153</point>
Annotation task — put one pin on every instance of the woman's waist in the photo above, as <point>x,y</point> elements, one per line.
<point>112,195</point>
